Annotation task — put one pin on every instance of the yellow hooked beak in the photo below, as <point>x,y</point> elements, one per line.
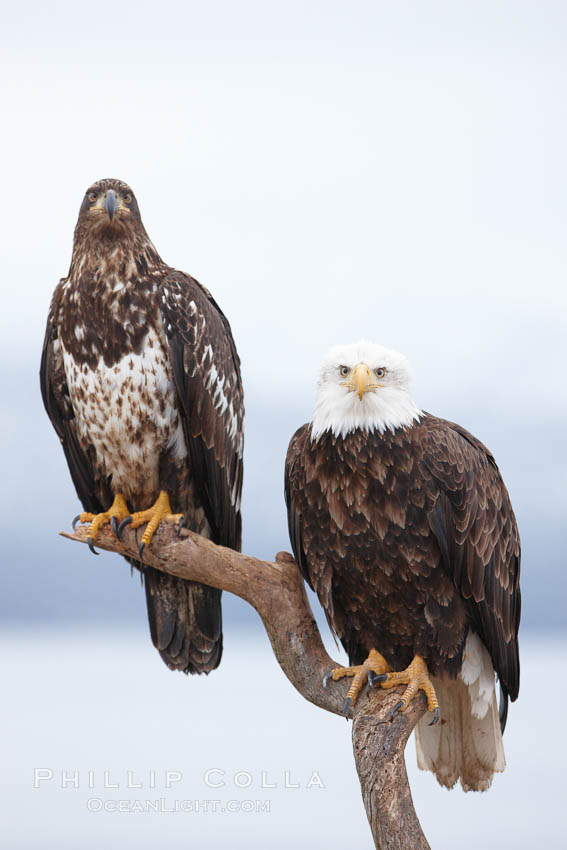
<point>362,379</point>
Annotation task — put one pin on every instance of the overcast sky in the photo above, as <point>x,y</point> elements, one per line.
<point>330,171</point>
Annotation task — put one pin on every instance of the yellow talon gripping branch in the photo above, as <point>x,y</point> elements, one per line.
<point>159,512</point>
<point>115,514</point>
<point>375,664</point>
<point>416,677</point>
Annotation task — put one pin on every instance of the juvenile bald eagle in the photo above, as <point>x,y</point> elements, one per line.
<point>401,523</point>
<point>141,380</point>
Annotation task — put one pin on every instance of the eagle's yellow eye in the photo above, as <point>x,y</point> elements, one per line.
<point>380,372</point>
<point>127,199</point>
<point>343,371</point>
<point>92,196</point>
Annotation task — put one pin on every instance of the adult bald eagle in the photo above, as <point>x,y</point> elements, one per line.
<point>141,380</point>
<point>401,523</point>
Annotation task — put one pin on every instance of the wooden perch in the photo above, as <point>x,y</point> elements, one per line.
<point>277,592</point>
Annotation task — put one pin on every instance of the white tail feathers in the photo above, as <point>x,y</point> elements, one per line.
<point>467,743</point>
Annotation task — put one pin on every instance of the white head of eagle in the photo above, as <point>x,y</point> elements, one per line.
<point>363,386</point>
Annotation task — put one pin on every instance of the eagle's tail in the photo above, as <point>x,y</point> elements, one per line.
<point>185,621</point>
<point>467,743</point>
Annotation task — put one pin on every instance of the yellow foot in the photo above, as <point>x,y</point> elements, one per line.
<point>375,664</point>
<point>158,513</point>
<point>416,677</point>
<point>117,512</point>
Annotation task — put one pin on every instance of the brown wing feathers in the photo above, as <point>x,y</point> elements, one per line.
<point>474,524</point>
<point>207,376</point>
<point>185,617</point>
<point>57,403</point>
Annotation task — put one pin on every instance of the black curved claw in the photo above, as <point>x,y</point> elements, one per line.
<point>75,521</point>
<point>141,548</point>
<point>436,716</point>
<point>90,541</point>
<point>374,678</point>
<point>326,678</point>
<point>114,525</point>
<point>181,525</point>
<point>346,707</point>
<point>122,526</point>
<point>395,709</point>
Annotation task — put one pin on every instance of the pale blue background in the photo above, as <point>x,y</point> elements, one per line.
<point>330,171</point>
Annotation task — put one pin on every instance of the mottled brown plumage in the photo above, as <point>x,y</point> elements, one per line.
<point>141,380</point>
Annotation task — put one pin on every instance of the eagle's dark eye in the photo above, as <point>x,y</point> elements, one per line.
<point>127,199</point>
<point>380,372</point>
<point>92,196</point>
<point>343,371</point>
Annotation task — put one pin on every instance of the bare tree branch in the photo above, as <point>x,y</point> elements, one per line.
<point>277,592</point>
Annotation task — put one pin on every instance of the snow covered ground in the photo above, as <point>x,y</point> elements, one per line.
<point>85,711</point>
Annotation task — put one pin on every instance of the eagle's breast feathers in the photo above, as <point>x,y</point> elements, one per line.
<point>128,413</point>
<point>409,538</point>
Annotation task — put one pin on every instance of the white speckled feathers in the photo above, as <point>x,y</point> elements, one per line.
<point>136,395</point>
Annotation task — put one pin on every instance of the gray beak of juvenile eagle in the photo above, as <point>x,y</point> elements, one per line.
<point>110,203</point>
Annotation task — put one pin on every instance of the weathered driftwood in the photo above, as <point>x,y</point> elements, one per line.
<point>276,591</point>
